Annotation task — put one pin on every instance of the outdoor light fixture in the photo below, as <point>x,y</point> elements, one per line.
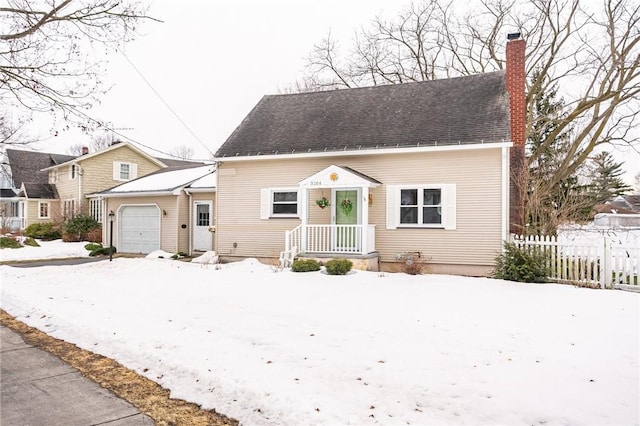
<point>111,215</point>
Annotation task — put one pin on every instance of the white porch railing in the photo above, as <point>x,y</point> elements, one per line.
<point>597,262</point>
<point>330,239</point>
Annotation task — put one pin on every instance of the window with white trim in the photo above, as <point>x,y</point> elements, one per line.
<point>124,171</point>
<point>69,208</point>
<point>421,206</point>
<point>53,176</point>
<point>95,208</point>
<point>43,210</point>
<point>279,202</point>
<point>73,171</point>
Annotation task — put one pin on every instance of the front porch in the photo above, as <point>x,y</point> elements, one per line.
<point>348,233</point>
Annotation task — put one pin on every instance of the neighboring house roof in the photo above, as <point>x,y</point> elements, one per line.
<point>610,208</point>
<point>171,162</point>
<point>164,181</point>
<point>7,193</point>
<point>463,110</point>
<point>38,190</point>
<point>114,146</point>
<point>634,202</point>
<point>27,166</point>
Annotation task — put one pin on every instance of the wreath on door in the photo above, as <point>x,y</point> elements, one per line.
<point>346,205</point>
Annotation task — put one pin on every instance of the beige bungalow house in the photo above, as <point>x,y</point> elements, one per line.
<point>377,172</point>
<point>169,210</point>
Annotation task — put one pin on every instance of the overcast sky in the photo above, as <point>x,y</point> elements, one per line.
<point>192,79</point>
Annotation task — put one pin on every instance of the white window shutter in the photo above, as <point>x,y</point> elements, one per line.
<point>265,203</point>
<point>449,205</point>
<point>393,208</point>
<point>134,170</point>
<point>116,170</point>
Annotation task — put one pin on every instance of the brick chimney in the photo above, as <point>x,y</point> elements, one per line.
<point>85,150</point>
<point>515,75</point>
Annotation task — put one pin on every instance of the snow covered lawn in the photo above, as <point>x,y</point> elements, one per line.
<point>287,348</point>
<point>48,250</point>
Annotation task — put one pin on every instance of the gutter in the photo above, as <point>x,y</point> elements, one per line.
<point>384,150</point>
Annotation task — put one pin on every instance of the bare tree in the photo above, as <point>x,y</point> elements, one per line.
<point>182,152</point>
<point>53,53</point>
<point>591,55</point>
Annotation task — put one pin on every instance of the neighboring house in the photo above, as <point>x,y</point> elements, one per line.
<point>36,198</point>
<point>422,167</point>
<point>626,203</point>
<point>170,210</point>
<point>54,187</point>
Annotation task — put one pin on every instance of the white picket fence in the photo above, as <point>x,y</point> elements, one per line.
<point>603,261</point>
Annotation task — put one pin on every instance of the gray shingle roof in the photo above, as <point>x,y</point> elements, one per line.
<point>40,190</point>
<point>26,166</point>
<point>460,110</point>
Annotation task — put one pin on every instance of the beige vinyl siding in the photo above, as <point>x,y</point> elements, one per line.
<point>98,170</point>
<point>476,174</point>
<point>68,189</point>
<point>183,235</point>
<point>97,174</point>
<point>33,211</point>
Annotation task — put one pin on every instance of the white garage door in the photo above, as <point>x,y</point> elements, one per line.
<point>139,229</point>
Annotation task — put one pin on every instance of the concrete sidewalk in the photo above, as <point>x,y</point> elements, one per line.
<point>39,389</point>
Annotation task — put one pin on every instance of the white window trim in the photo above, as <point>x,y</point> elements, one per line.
<point>53,176</point>
<point>48,204</point>
<point>73,172</point>
<point>266,203</point>
<point>95,208</point>
<point>133,171</point>
<point>448,202</point>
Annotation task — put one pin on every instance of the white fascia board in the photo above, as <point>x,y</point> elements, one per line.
<point>110,148</point>
<point>380,151</point>
<point>199,190</point>
<point>136,194</point>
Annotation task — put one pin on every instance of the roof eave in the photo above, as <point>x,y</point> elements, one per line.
<point>375,151</point>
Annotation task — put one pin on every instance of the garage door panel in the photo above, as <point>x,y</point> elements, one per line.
<point>139,229</point>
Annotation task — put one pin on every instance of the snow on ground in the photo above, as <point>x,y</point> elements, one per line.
<point>47,250</point>
<point>274,348</point>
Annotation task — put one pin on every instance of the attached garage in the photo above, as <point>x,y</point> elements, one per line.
<point>139,230</point>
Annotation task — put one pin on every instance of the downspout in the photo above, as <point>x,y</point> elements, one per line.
<point>189,221</point>
<point>79,172</point>
<point>177,225</point>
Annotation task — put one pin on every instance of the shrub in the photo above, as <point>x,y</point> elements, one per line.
<point>338,266</point>
<point>79,226</point>
<point>95,235</point>
<point>527,264</point>
<point>31,242</point>
<point>43,231</point>
<point>305,265</point>
<point>92,246</point>
<point>411,264</point>
<point>102,251</point>
<point>8,242</point>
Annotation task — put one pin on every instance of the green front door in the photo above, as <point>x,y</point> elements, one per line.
<point>346,213</point>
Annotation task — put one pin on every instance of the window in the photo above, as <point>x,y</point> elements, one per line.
<point>69,209</point>
<point>95,208</point>
<point>203,216</point>
<point>421,206</point>
<point>73,171</point>
<point>124,171</point>
<point>279,202</point>
<point>15,209</point>
<point>53,176</point>
<point>43,210</point>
